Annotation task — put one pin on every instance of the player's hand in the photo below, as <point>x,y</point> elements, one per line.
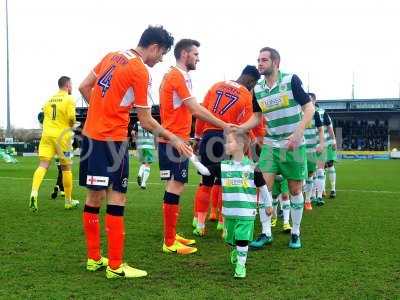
<point>295,138</point>
<point>230,128</point>
<point>268,210</point>
<point>226,126</point>
<point>334,144</point>
<point>182,147</point>
<point>236,128</point>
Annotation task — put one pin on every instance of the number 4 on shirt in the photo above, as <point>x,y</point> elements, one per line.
<point>105,80</point>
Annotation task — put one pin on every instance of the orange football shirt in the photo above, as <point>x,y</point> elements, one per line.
<point>228,101</point>
<point>123,82</point>
<point>175,89</point>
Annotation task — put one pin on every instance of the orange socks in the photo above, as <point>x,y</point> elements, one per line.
<point>202,204</point>
<point>171,214</point>
<point>215,192</point>
<point>91,227</point>
<point>220,218</point>
<point>115,235</point>
<point>203,198</point>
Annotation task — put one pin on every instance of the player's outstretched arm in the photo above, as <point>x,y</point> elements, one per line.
<point>202,113</point>
<point>149,123</point>
<point>254,120</point>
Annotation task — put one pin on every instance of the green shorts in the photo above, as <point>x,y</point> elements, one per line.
<point>322,156</point>
<point>328,154</point>
<point>290,163</point>
<point>145,155</point>
<point>280,187</point>
<point>238,230</point>
<point>311,162</point>
<point>331,153</point>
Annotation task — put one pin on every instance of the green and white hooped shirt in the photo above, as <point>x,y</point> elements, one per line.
<point>239,194</point>
<point>281,107</point>
<point>311,135</point>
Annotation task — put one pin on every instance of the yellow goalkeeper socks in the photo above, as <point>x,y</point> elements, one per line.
<point>67,182</point>
<point>37,179</point>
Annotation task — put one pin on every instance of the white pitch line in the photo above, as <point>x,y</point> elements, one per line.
<point>195,185</point>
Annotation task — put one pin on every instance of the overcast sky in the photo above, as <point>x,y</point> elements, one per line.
<point>323,42</point>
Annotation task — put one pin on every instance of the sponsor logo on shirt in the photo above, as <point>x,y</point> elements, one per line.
<point>236,182</point>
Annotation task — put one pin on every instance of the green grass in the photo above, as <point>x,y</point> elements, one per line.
<point>351,247</point>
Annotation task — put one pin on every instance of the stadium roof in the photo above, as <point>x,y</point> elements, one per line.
<point>360,99</point>
<point>361,105</point>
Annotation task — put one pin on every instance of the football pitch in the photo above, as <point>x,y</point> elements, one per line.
<point>351,247</point>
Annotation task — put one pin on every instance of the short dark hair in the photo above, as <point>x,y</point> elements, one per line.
<point>274,54</point>
<point>156,35</point>
<point>251,71</point>
<point>62,81</point>
<point>312,95</point>
<point>184,44</point>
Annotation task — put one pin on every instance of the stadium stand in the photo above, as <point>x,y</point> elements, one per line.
<point>365,124</point>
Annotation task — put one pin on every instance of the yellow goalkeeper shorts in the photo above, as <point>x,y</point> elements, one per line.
<point>62,146</point>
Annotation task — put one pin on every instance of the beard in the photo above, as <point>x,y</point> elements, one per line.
<point>191,66</point>
<point>268,72</point>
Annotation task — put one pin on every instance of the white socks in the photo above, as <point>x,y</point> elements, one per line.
<point>275,203</point>
<point>146,174</point>
<point>332,177</point>
<point>285,205</point>
<point>314,187</point>
<point>265,221</point>
<point>320,182</point>
<point>242,254</point>
<point>141,169</point>
<point>308,188</point>
<point>297,204</point>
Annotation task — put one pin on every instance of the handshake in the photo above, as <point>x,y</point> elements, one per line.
<point>186,150</point>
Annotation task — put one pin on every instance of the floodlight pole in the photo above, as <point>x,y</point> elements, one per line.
<point>8,131</point>
<point>352,89</point>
